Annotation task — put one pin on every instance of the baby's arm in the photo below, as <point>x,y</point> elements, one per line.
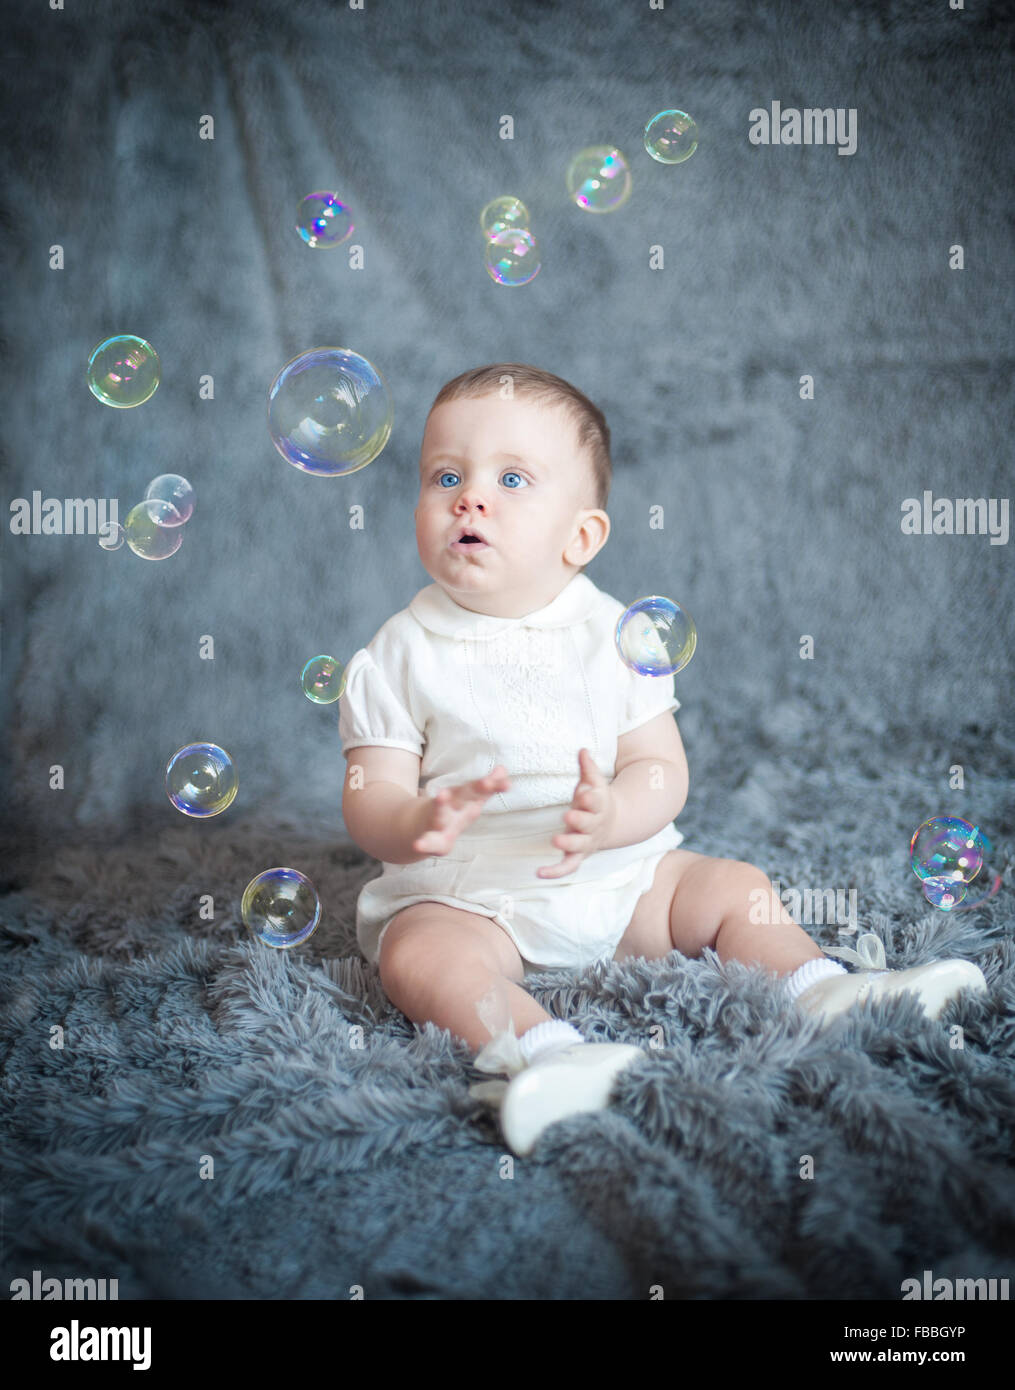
<point>386,816</point>
<point>381,805</point>
<point>649,787</point>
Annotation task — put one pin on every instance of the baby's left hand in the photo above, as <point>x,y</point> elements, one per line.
<point>588,818</point>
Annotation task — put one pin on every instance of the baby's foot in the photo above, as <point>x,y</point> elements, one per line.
<point>934,985</point>
<point>563,1082</point>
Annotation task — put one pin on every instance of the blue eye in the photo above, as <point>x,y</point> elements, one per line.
<point>510,473</point>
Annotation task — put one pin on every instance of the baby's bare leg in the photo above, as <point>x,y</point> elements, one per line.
<point>456,969</point>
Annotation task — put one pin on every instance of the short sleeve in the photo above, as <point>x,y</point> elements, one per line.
<point>371,712</point>
<point>644,698</point>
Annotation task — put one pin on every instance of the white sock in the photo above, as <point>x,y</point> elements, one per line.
<point>810,973</point>
<point>547,1037</point>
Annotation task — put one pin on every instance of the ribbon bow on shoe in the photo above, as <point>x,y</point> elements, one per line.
<point>869,953</point>
<point>501,1055</point>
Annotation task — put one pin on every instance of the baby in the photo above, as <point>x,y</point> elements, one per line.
<point>519,782</point>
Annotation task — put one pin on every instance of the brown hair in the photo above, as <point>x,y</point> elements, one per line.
<point>592,431</point>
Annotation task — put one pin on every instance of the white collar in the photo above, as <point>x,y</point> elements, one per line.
<point>439,613</point>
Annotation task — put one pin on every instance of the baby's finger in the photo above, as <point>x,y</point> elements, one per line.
<point>463,795</point>
<point>576,843</point>
<point>590,771</point>
<point>484,787</point>
<point>567,865</point>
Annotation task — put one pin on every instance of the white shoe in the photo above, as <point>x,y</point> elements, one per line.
<point>565,1081</point>
<point>934,985</point>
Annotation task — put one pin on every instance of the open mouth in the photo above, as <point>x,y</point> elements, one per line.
<point>469,540</point>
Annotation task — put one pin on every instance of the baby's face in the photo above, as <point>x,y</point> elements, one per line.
<point>512,471</point>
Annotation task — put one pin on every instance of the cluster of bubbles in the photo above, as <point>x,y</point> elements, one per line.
<point>329,413</point>
<point>324,221</point>
<point>124,372</point>
<point>655,636</point>
<point>511,251</point>
<point>598,180</point>
<point>946,854</point>
<point>599,177</point>
<point>154,528</point>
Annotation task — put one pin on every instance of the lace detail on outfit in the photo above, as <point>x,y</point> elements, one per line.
<point>528,669</point>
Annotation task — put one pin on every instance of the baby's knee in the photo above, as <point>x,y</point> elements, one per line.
<point>427,951</point>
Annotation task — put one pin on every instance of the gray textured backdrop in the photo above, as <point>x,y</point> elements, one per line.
<point>782,515</point>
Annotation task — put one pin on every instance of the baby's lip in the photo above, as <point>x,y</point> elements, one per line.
<point>457,543</point>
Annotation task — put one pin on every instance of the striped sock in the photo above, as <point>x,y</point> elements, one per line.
<point>810,973</point>
<point>547,1036</point>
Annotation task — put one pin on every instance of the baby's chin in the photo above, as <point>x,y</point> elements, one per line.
<point>477,590</point>
<point>478,595</point>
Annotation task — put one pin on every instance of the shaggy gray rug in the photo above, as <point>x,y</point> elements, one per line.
<point>337,1164</point>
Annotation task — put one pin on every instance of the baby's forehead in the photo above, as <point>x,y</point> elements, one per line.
<point>531,409</point>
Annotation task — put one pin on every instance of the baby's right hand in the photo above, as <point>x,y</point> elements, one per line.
<point>448,813</point>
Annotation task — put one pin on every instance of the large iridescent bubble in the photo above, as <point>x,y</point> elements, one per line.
<point>655,636</point>
<point>201,779</point>
<point>599,179</point>
<point>946,847</point>
<point>281,907</point>
<point>329,411</point>
<point>123,371</point>
<point>946,853</point>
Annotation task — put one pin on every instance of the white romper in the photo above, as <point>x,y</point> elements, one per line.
<point>467,691</point>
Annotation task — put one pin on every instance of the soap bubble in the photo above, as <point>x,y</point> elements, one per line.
<point>152,530</point>
<point>598,179</point>
<point>503,215</point>
<point>329,411</point>
<point>281,907</point>
<point>324,221</point>
<point>512,257</point>
<point>174,490</point>
<point>323,680</point>
<point>671,137</point>
<point>201,779</point>
<point>655,636</point>
<point>111,535</point>
<point>946,847</point>
<point>123,371</point>
<point>943,892</point>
